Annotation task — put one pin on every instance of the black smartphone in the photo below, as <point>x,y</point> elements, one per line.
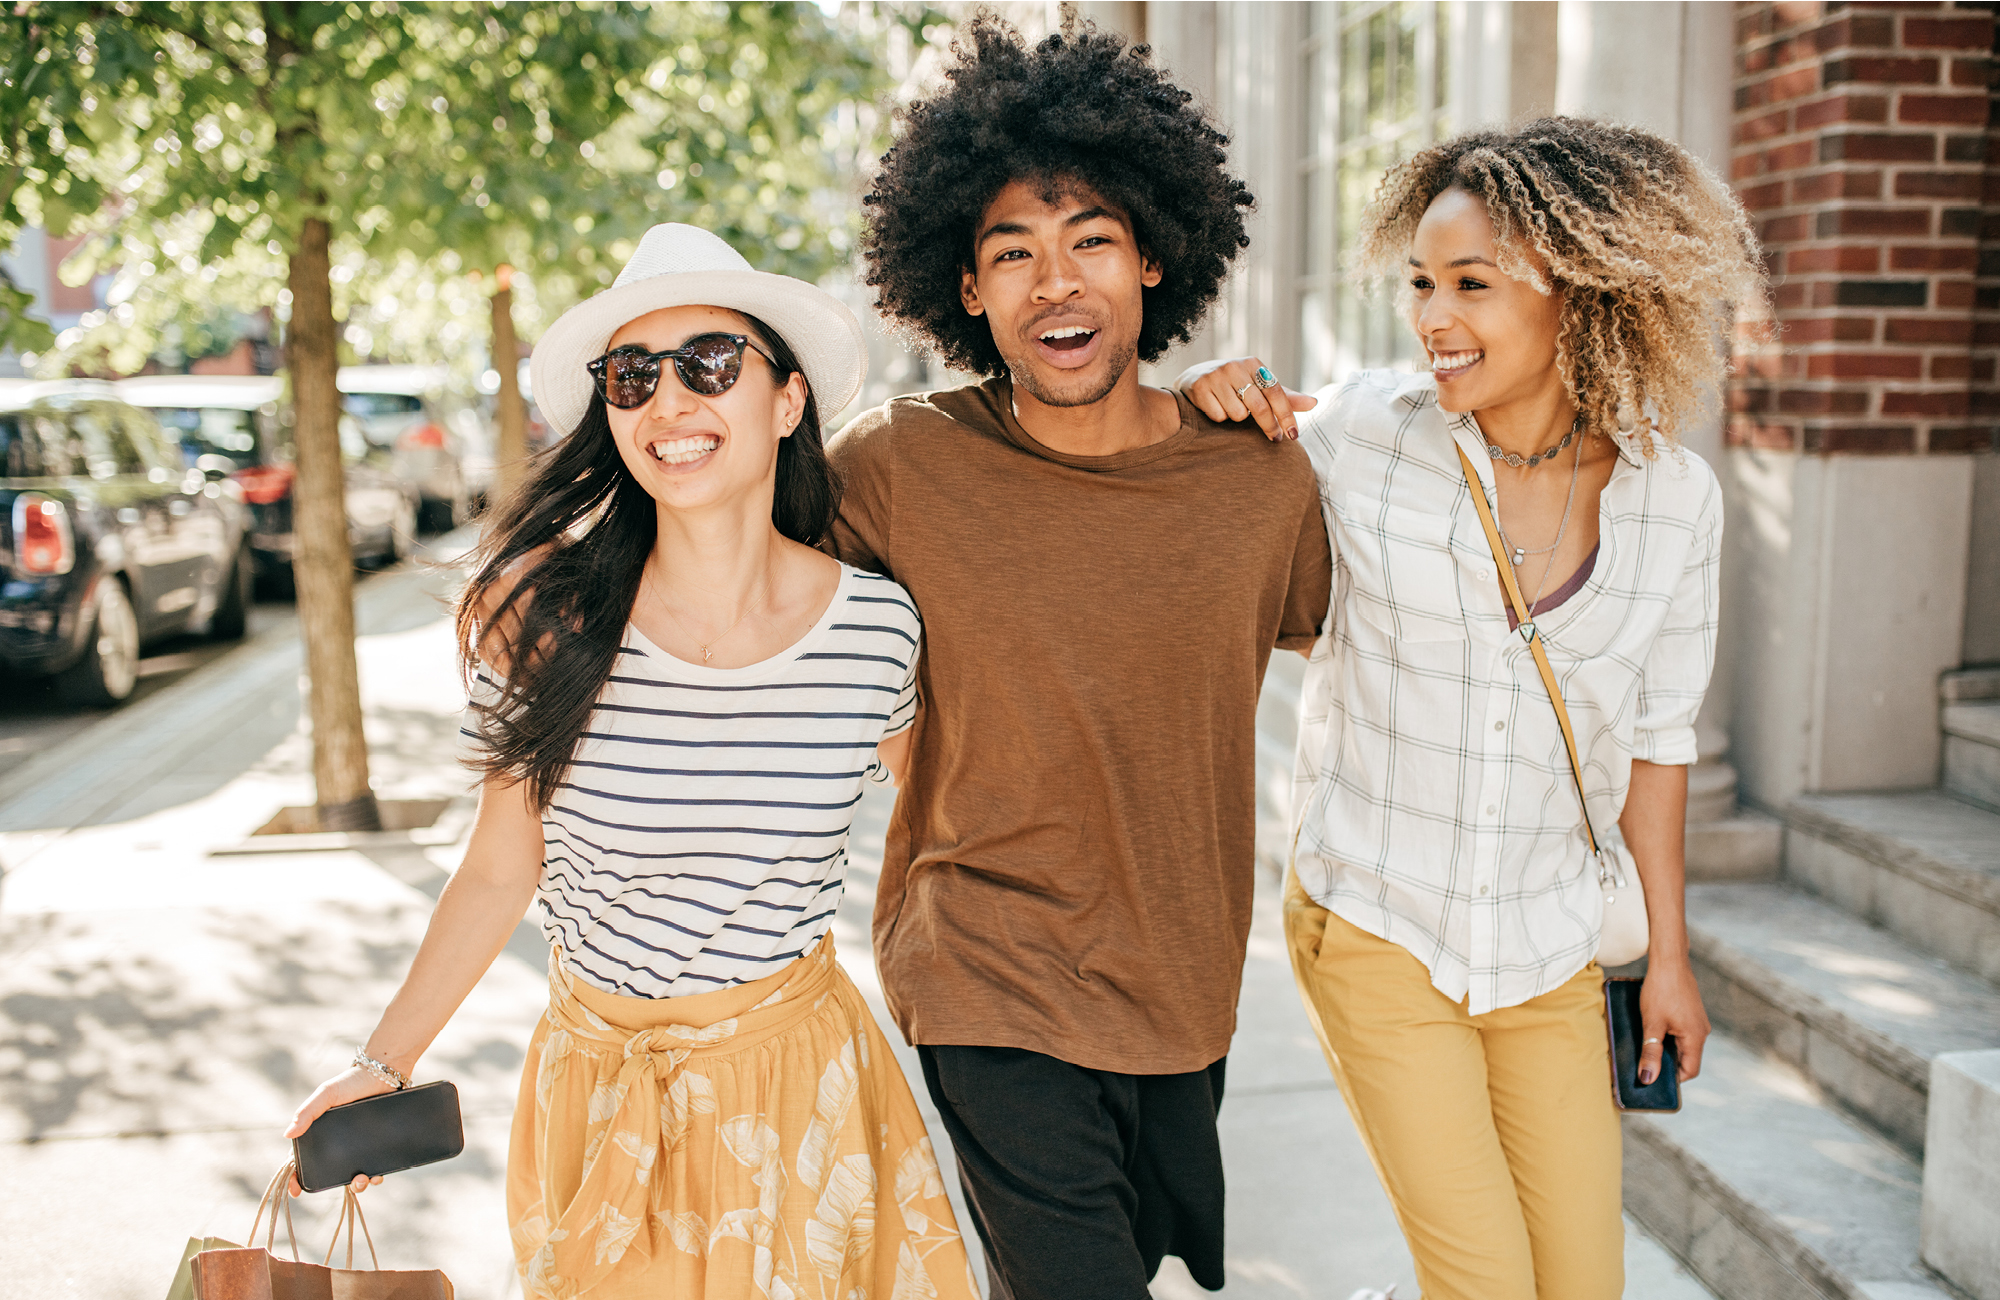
<point>1628,1033</point>
<point>380,1135</point>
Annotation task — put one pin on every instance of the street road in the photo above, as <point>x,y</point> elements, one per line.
<point>33,717</point>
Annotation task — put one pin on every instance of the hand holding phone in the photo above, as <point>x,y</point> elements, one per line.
<point>362,1140</point>
<point>351,1084</point>
<point>1626,1026</point>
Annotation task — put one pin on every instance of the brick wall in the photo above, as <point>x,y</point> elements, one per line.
<point>1985,396</point>
<point>1861,149</point>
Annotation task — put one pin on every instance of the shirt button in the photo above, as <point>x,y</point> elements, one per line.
<point>1499,726</point>
<point>1492,808</point>
<point>1482,891</point>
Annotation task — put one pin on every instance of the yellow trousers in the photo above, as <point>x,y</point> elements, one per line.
<point>1494,1135</point>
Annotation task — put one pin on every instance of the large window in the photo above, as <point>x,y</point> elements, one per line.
<point>1375,93</point>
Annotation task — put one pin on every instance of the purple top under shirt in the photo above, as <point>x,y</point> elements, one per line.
<point>1559,595</point>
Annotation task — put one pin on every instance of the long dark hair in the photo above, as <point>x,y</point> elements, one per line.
<point>579,528</point>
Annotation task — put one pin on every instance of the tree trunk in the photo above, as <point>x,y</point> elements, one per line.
<point>322,563</point>
<point>510,453</point>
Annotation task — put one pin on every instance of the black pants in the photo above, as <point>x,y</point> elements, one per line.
<point>1080,1181</point>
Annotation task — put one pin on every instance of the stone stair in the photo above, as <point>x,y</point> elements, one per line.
<point>1971,718</point>
<point>1795,1170</point>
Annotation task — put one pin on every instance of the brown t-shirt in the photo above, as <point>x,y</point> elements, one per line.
<point>1069,866</point>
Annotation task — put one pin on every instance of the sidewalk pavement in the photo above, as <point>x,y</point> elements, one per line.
<point>167,999</point>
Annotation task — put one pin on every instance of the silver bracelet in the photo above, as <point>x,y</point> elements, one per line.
<point>388,1074</point>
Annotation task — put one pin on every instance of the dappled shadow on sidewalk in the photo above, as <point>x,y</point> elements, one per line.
<point>143,1022</point>
<point>412,754</point>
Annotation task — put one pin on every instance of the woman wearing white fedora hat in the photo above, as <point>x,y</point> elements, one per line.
<point>676,700</point>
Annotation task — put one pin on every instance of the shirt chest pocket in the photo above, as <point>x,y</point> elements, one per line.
<point>1401,574</point>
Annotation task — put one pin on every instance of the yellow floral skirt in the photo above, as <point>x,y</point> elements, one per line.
<point>755,1141</point>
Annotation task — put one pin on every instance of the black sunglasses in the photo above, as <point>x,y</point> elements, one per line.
<point>709,364</point>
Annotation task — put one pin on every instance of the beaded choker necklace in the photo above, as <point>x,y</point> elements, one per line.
<point>1519,461</point>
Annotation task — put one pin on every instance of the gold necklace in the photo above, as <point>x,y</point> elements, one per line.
<point>707,651</point>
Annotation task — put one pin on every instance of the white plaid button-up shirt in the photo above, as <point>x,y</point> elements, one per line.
<point>1433,798</point>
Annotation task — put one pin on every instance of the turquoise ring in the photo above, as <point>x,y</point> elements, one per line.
<point>1264,378</point>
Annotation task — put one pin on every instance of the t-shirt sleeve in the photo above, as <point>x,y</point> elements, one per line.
<point>1311,582</point>
<point>860,454</point>
<point>905,712</point>
<point>481,698</point>
<point>901,718</point>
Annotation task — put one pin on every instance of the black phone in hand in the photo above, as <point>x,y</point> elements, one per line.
<point>384,1134</point>
<point>1628,1033</point>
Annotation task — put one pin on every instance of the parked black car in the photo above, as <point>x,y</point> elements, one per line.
<point>111,540</point>
<point>240,419</point>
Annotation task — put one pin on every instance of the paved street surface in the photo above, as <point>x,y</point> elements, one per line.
<point>167,998</point>
<point>33,717</point>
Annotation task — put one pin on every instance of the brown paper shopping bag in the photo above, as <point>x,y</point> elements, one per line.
<point>183,1287</point>
<point>256,1273</point>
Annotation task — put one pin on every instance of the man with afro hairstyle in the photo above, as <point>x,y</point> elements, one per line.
<point>1102,572</point>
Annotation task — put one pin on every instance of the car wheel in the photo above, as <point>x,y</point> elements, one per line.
<point>232,613</point>
<point>109,668</point>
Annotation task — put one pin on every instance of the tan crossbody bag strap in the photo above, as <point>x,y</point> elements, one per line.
<point>1530,635</point>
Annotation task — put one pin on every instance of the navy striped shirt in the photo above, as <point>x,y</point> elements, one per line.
<point>700,838</point>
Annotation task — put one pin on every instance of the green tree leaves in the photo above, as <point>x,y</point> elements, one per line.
<point>545,136</point>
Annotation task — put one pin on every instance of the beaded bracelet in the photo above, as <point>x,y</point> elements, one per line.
<point>388,1074</point>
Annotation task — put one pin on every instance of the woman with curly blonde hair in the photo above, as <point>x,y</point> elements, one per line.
<point>1570,283</point>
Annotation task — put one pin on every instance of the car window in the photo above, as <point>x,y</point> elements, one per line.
<point>20,447</point>
<point>212,431</point>
<point>63,453</point>
<point>159,456</point>
<point>105,453</point>
<point>369,405</point>
<point>384,417</point>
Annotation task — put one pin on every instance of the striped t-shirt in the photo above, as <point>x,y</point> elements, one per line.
<point>700,837</point>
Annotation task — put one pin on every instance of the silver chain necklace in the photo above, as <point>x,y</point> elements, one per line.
<point>1519,461</point>
<point>1520,554</point>
<point>707,651</point>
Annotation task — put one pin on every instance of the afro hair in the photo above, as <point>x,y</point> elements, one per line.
<point>1079,108</point>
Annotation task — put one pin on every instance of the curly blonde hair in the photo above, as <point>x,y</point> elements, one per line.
<point>1650,250</point>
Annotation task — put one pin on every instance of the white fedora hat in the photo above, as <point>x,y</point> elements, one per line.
<point>685,266</point>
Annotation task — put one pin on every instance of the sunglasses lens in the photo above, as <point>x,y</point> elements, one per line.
<point>709,364</point>
<point>628,380</point>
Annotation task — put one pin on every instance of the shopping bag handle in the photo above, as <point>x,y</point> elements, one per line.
<point>274,1195</point>
<point>350,1214</point>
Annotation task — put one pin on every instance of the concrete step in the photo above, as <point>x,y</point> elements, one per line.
<point>1972,752</point>
<point>1923,865</point>
<point>1746,845</point>
<point>1858,1010</point>
<point>1767,1192</point>
<point>1966,685</point>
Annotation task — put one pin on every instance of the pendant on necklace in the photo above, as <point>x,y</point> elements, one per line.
<point>1520,557</point>
<point>707,654</point>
